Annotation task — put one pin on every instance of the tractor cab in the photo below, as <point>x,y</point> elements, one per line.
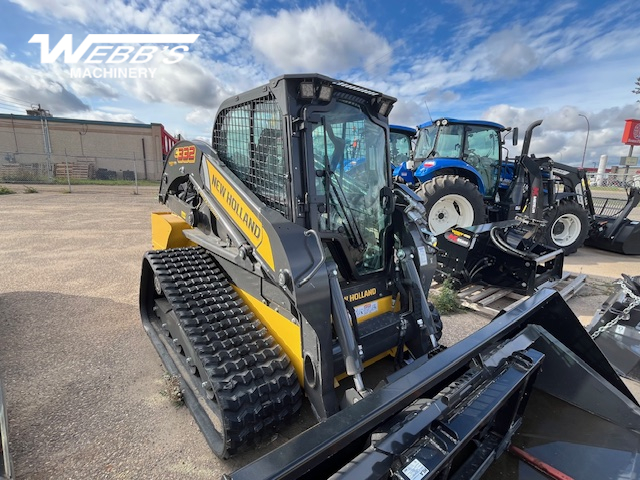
<point>401,142</point>
<point>469,149</point>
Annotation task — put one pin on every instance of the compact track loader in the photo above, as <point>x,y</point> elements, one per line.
<point>290,265</point>
<point>299,263</point>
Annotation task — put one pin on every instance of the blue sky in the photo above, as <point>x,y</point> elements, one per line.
<point>505,61</point>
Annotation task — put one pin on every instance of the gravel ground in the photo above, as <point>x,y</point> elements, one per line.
<point>84,385</point>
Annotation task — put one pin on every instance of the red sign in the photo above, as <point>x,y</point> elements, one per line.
<point>167,141</point>
<point>631,135</point>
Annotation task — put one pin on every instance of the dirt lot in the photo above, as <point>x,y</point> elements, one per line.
<point>85,387</point>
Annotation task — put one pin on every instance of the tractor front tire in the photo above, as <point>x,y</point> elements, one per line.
<point>451,201</point>
<point>567,226</point>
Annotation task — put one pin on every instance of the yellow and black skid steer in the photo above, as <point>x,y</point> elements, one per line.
<point>289,265</point>
<point>293,265</point>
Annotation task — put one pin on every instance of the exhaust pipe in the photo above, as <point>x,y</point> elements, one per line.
<point>527,137</point>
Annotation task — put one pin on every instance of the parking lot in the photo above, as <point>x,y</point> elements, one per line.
<point>84,385</point>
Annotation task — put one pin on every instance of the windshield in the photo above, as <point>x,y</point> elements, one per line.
<point>424,144</point>
<point>483,141</point>
<point>477,145</point>
<point>400,148</point>
<point>350,157</point>
<point>482,152</point>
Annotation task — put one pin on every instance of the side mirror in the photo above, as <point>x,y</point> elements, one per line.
<point>514,136</point>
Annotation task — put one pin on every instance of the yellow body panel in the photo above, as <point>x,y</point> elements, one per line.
<point>286,333</point>
<point>166,231</point>
<point>241,215</point>
<point>367,363</point>
<point>374,308</point>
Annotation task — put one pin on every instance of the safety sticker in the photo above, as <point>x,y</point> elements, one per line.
<point>422,253</point>
<point>415,470</point>
<point>620,329</point>
<point>366,309</point>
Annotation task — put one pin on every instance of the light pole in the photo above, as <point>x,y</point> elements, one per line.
<point>586,140</point>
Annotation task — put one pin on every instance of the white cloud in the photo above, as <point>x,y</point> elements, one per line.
<point>563,132</point>
<point>505,55</point>
<point>323,38</point>
<point>441,96</point>
<point>155,16</point>
<point>108,13</point>
<point>407,113</point>
<point>82,87</point>
<point>201,116</point>
<point>188,82</point>
<point>76,10</point>
<point>37,86</point>
<point>106,116</point>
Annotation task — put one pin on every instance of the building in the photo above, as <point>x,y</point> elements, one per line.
<point>44,146</point>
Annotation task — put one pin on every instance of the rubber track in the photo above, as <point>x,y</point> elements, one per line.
<point>255,386</point>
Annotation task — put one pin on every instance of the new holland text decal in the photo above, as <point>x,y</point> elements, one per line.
<point>241,214</point>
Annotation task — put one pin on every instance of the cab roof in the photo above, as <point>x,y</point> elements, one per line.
<point>456,121</point>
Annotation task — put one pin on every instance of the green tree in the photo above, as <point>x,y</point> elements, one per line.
<point>637,89</point>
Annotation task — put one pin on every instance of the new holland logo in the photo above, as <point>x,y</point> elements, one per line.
<point>241,213</point>
<point>354,297</point>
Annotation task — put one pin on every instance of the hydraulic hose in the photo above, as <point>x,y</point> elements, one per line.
<point>504,246</point>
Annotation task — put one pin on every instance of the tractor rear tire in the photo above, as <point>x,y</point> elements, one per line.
<point>567,226</point>
<point>451,201</point>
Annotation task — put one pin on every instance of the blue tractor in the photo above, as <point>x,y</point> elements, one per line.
<point>458,168</point>
<point>401,142</point>
<point>455,167</point>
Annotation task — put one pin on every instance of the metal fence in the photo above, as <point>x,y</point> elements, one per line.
<point>614,180</point>
<point>607,206</point>
<point>43,168</point>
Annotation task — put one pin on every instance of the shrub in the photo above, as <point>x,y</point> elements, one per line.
<point>446,298</point>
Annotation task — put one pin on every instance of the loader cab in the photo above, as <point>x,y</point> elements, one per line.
<point>336,135</point>
<point>349,178</point>
<point>292,210</point>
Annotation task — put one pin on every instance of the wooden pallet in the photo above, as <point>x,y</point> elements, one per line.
<point>492,300</point>
<point>76,170</point>
<point>17,170</point>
